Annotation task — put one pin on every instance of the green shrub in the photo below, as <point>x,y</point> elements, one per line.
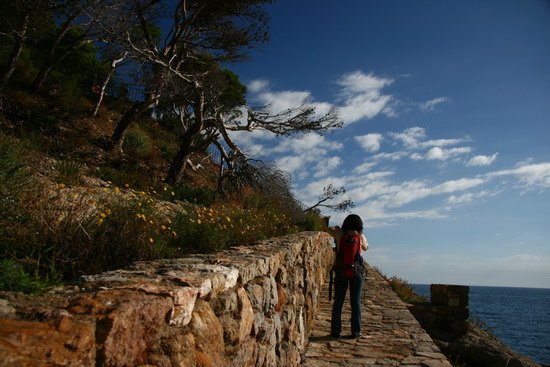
<point>312,222</point>
<point>14,279</point>
<point>136,143</point>
<point>194,195</point>
<point>223,225</point>
<point>405,291</point>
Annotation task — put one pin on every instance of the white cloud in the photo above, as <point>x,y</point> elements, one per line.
<point>359,82</point>
<point>433,103</point>
<point>306,143</point>
<point>325,166</point>
<point>258,85</point>
<point>467,197</point>
<point>413,138</point>
<point>440,154</point>
<point>362,96</point>
<point>482,160</point>
<point>394,156</point>
<point>365,167</point>
<point>410,137</point>
<point>252,142</point>
<point>290,163</point>
<point>532,175</point>
<point>441,142</point>
<point>370,142</point>
<point>304,153</point>
<point>277,102</point>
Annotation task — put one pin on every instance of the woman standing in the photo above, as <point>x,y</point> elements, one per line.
<point>348,275</point>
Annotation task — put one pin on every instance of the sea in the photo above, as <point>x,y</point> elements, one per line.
<point>519,317</point>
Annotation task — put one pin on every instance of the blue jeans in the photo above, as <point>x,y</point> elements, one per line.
<point>341,286</point>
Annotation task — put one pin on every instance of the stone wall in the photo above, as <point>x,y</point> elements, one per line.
<point>447,313</point>
<point>446,319</point>
<point>248,306</point>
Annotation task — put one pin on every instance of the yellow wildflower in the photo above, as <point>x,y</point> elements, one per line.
<point>126,185</point>
<point>61,185</point>
<point>100,220</point>
<point>198,221</point>
<point>116,189</point>
<point>151,240</point>
<point>163,227</point>
<point>102,215</point>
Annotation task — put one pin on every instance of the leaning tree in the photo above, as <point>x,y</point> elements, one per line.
<point>214,107</point>
<point>223,30</point>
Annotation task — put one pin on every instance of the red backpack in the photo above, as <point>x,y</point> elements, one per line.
<point>349,252</point>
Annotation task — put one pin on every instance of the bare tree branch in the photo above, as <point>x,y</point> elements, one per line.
<point>330,193</point>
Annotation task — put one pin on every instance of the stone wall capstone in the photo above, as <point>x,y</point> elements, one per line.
<point>247,306</point>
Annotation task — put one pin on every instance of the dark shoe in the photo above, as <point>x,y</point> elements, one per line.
<point>355,335</point>
<point>335,336</point>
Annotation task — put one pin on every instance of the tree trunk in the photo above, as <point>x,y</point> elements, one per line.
<point>178,165</point>
<point>130,116</point>
<point>106,81</point>
<point>39,80</point>
<point>16,51</point>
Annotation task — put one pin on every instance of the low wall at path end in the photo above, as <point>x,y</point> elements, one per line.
<point>247,306</point>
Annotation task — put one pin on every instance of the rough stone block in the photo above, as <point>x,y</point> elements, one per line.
<point>64,341</point>
<point>208,333</point>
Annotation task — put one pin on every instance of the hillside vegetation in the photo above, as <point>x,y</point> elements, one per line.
<point>117,122</point>
<point>69,208</point>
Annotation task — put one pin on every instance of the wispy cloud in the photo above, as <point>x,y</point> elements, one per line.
<point>440,154</point>
<point>325,166</point>
<point>410,137</point>
<point>260,92</point>
<point>533,176</point>
<point>414,138</point>
<point>361,96</point>
<point>468,197</point>
<point>433,103</point>
<point>482,160</point>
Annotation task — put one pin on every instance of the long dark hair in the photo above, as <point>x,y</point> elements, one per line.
<point>353,222</point>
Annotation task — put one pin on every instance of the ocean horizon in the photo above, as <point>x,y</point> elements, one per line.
<point>519,317</point>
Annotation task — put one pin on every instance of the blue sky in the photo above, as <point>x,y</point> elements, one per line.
<point>445,146</point>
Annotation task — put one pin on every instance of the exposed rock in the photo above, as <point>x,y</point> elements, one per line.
<point>65,340</point>
<point>208,333</point>
<point>128,323</point>
<point>480,348</point>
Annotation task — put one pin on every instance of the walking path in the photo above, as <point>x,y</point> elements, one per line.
<point>391,336</point>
